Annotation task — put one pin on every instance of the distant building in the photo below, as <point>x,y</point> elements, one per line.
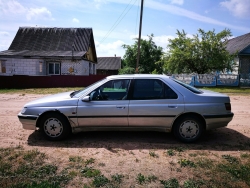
<point>241,47</point>
<point>50,51</point>
<point>108,65</point>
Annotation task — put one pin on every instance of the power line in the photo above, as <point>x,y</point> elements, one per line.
<point>118,20</point>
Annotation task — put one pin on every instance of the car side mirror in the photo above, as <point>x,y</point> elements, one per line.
<point>86,99</point>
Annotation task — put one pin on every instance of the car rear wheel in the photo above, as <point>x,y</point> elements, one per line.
<point>54,126</point>
<point>188,129</point>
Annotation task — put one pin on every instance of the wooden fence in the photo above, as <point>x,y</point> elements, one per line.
<point>21,81</point>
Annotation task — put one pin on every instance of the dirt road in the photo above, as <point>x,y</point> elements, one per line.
<point>126,152</point>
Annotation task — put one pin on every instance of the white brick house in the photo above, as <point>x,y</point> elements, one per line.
<point>50,51</point>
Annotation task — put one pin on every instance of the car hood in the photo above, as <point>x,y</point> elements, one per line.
<point>60,99</point>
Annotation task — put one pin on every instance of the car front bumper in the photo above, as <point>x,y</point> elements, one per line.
<point>28,121</point>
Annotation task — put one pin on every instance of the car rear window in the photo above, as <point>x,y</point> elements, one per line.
<point>189,87</point>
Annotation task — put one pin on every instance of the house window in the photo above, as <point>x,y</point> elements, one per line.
<point>94,71</point>
<point>41,67</point>
<point>2,67</point>
<point>54,68</point>
<point>90,72</point>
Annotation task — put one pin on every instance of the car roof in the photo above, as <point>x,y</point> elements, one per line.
<point>138,76</point>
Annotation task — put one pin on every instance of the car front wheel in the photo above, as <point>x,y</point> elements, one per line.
<point>54,126</point>
<point>188,129</point>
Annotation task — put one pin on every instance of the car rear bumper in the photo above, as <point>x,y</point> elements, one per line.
<point>28,121</point>
<point>217,121</point>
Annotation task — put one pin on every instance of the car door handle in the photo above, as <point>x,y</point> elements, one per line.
<point>120,107</point>
<point>172,106</point>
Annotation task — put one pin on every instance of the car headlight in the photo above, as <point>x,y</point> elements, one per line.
<point>23,110</point>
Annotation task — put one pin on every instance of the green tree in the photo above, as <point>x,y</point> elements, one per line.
<point>204,53</point>
<point>150,54</point>
<point>127,70</point>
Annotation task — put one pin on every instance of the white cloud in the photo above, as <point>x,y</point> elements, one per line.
<point>110,49</point>
<point>99,3</point>
<point>5,39</point>
<point>11,7</point>
<point>75,20</point>
<point>4,33</point>
<point>14,8</point>
<point>152,4</point>
<point>239,8</point>
<point>162,40</point>
<point>178,2</point>
<point>39,13</point>
<point>189,14</point>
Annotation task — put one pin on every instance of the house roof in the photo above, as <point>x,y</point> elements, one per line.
<point>44,41</point>
<point>238,44</point>
<point>48,54</point>
<point>108,63</point>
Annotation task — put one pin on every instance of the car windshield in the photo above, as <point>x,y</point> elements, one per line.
<point>77,94</point>
<point>189,87</point>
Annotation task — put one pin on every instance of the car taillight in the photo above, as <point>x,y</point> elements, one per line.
<point>228,106</point>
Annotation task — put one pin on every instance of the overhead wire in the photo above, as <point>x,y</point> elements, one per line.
<point>118,20</point>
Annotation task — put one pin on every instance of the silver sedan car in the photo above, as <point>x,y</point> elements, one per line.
<point>130,102</point>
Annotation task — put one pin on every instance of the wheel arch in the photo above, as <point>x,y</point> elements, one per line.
<point>50,111</point>
<point>194,114</point>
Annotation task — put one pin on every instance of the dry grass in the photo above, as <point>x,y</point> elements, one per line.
<point>227,90</point>
<point>31,168</point>
<point>40,90</point>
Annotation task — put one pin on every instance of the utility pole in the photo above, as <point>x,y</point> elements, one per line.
<point>139,40</point>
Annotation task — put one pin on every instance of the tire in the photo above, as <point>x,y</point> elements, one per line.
<point>188,129</point>
<point>55,127</point>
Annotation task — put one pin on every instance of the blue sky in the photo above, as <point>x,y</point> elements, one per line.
<point>160,17</point>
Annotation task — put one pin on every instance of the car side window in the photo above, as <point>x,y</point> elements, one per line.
<point>148,89</point>
<point>169,93</point>
<point>111,90</point>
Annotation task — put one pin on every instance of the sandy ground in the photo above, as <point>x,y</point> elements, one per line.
<point>126,152</point>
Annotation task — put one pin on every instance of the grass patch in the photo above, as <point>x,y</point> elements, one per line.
<point>89,172</point>
<point>75,159</point>
<point>238,172</point>
<point>170,183</point>
<point>117,178</point>
<point>186,163</point>
<point>170,152</point>
<point>191,183</point>
<point>153,154</point>
<point>23,91</point>
<point>229,90</point>
<point>173,151</point>
<point>141,179</point>
<point>231,159</point>
<point>39,90</point>
<point>31,169</point>
<point>90,161</point>
<point>100,181</point>
<point>205,163</point>
<point>20,168</point>
<point>245,155</point>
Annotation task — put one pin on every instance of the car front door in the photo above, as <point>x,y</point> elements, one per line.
<point>108,105</point>
<point>153,104</point>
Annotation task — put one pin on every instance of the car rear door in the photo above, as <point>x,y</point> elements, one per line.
<point>153,104</point>
<point>108,105</point>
